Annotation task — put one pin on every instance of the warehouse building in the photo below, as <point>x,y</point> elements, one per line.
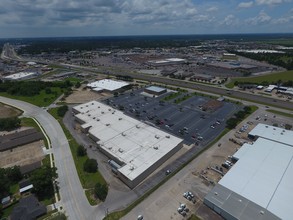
<point>259,185</point>
<point>108,85</point>
<point>136,148</point>
<point>21,76</point>
<point>155,90</point>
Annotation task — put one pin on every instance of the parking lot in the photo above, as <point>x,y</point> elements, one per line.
<point>185,120</point>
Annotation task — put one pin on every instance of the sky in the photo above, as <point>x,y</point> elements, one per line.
<point>57,18</point>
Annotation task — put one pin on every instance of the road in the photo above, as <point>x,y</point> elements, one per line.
<point>73,198</point>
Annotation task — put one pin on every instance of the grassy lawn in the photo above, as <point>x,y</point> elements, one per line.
<point>171,96</point>
<point>40,100</point>
<point>88,180</point>
<point>7,211</point>
<point>89,194</point>
<point>14,188</point>
<point>194,217</point>
<point>274,77</point>
<point>280,113</point>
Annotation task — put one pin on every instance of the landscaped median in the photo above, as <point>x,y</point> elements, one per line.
<point>88,180</point>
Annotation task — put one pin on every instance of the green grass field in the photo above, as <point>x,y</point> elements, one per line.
<point>274,77</point>
<point>280,113</point>
<point>40,100</point>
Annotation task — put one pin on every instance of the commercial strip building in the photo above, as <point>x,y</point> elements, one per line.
<point>135,148</point>
<point>155,90</point>
<point>168,61</point>
<point>259,185</point>
<point>108,85</point>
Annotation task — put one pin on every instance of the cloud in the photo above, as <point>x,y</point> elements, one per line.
<point>245,4</point>
<point>260,19</point>
<point>212,9</point>
<point>271,2</point>
<point>230,20</point>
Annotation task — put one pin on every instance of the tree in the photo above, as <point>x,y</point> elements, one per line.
<point>42,180</point>
<point>5,183</point>
<point>101,191</point>
<point>61,111</point>
<point>77,84</point>
<point>90,166</point>
<point>231,123</point>
<point>14,174</point>
<point>81,151</point>
<point>7,124</point>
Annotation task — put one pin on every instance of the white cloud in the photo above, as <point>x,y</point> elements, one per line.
<point>261,18</point>
<point>271,2</point>
<point>245,4</point>
<point>212,9</point>
<point>230,20</point>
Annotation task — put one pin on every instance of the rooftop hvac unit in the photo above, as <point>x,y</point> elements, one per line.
<point>167,136</point>
<point>123,134</point>
<point>81,107</point>
<point>120,150</point>
<point>131,168</point>
<point>157,136</point>
<point>86,106</point>
<point>137,126</point>
<point>107,124</point>
<point>109,109</point>
<point>98,119</point>
<point>120,119</point>
<point>92,103</point>
<point>98,106</point>
<point>94,117</point>
<point>156,147</point>
<point>89,114</point>
<point>102,112</point>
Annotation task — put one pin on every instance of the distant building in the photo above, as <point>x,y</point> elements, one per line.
<point>168,61</point>
<point>108,85</point>
<point>155,90</point>
<point>21,76</point>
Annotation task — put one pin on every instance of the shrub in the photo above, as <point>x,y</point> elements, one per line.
<point>81,151</point>
<point>101,191</point>
<point>90,166</point>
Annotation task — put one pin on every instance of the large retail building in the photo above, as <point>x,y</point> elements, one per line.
<point>136,149</point>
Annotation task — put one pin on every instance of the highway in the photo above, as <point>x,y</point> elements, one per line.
<point>201,87</point>
<point>73,198</point>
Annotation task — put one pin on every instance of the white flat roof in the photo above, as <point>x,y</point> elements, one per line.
<point>242,151</point>
<point>19,75</point>
<point>130,141</point>
<point>273,133</point>
<point>26,188</point>
<point>156,88</point>
<point>107,84</point>
<point>264,175</point>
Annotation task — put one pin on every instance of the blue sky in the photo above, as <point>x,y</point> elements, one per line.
<point>50,18</point>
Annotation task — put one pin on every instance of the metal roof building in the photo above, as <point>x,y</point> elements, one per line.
<point>139,148</point>
<point>260,183</point>
<point>155,90</point>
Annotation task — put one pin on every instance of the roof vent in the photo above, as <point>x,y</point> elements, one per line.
<point>274,128</point>
<point>282,133</point>
<point>267,126</point>
<point>80,107</point>
<point>120,119</point>
<point>107,124</point>
<point>240,200</point>
<point>98,106</point>
<point>120,150</point>
<point>157,136</point>
<point>216,193</point>
<point>92,103</point>
<point>102,112</point>
<point>98,119</point>
<point>283,130</point>
<point>109,109</point>
<point>262,212</point>
<point>156,147</point>
<point>167,136</point>
<point>89,114</point>
<point>131,168</point>
<point>123,134</point>
<point>86,106</point>
<point>137,126</point>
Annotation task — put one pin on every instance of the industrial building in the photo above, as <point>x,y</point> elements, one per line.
<point>108,85</point>
<point>136,148</point>
<point>155,90</point>
<point>259,185</point>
